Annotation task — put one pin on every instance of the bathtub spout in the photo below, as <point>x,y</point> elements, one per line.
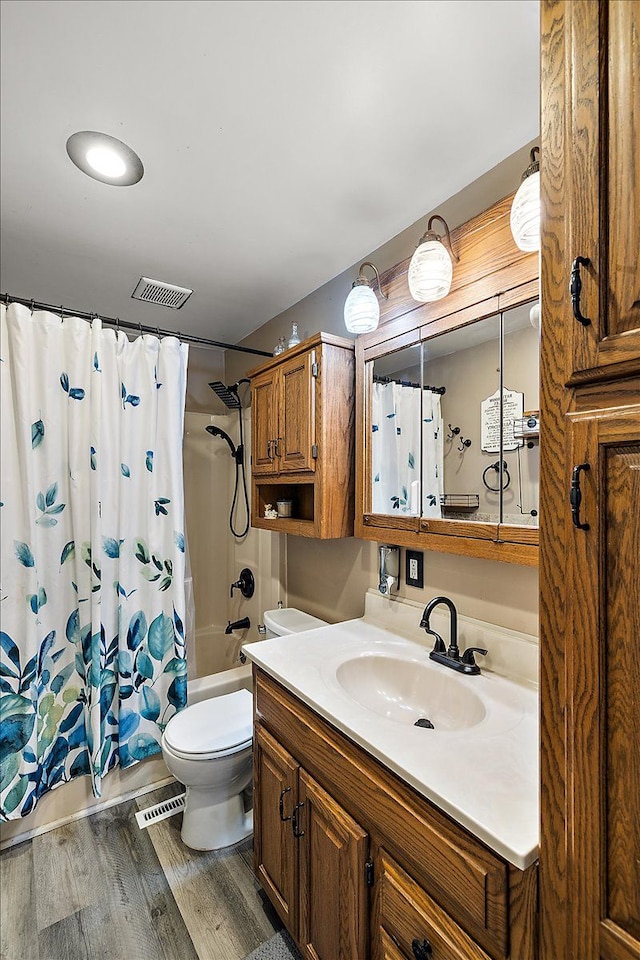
<point>243,624</point>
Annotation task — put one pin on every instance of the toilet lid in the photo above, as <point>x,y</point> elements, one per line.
<point>219,725</point>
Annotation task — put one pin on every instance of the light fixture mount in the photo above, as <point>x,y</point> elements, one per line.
<point>534,164</point>
<point>105,158</point>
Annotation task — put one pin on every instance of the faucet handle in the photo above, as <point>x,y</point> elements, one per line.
<point>468,655</point>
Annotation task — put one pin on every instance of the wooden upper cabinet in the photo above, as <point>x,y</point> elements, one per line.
<point>303,438</point>
<point>264,423</point>
<point>296,442</point>
<point>602,169</point>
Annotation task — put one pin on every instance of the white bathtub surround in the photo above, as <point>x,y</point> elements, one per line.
<point>484,774</point>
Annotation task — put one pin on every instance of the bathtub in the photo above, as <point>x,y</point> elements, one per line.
<point>217,665</point>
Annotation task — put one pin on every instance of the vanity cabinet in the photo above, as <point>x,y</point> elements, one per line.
<point>447,459</point>
<point>590,542</point>
<point>310,856</point>
<point>303,436</point>
<point>377,866</point>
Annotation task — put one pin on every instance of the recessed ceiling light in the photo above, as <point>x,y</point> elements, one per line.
<point>104,158</point>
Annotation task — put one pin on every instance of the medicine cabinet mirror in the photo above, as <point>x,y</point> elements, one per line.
<point>449,453</point>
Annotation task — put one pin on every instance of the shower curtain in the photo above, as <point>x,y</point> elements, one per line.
<point>92,549</point>
<point>404,435</point>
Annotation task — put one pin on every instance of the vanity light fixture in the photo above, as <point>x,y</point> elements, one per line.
<point>105,158</point>
<point>361,308</point>
<point>525,209</point>
<point>431,268</point>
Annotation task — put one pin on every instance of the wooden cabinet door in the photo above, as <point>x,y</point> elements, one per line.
<point>407,923</point>
<point>264,423</point>
<point>333,892</point>
<point>601,124</point>
<point>275,849</point>
<point>603,684</point>
<point>297,425</point>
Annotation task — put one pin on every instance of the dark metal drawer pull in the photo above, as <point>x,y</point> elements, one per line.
<point>575,495</point>
<point>296,823</point>
<point>422,949</point>
<point>281,804</point>
<point>575,289</point>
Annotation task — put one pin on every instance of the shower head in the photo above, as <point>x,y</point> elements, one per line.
<point>236,452</point>
<point>228,395</point>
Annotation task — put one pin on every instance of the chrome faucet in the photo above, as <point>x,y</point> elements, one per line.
<point>450,656</point>
<point>388,578</point>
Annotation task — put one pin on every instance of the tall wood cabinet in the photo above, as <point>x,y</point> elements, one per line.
<point>590,481</point>
<point>302,446</point>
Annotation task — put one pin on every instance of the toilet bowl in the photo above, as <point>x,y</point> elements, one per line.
<point>208,748</point>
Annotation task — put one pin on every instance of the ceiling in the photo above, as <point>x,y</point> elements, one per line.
<point>282,141</point>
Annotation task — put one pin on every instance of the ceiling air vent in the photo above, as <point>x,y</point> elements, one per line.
<point>161,293</point>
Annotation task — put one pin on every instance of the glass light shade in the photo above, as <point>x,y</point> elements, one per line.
<point>430,272</point>
<point>361,310</point>
<point>525,214</point>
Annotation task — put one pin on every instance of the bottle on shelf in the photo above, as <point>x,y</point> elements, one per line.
<point>280,347</point>
<point>294,339</point>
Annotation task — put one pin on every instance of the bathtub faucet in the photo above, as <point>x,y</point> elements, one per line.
<point>243,624</point>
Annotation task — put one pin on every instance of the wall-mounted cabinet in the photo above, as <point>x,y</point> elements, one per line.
<point>302,447</point>
<point>448,408</point>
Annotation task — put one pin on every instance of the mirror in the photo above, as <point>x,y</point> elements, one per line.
<point>454,424</point>
<point>521,419</point>
<point>395,433</point>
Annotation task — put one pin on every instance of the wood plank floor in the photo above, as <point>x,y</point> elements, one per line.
<point>102,889</point>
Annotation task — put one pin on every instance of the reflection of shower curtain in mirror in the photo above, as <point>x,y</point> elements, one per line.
<point>395,447</point>
<point>432,455</point>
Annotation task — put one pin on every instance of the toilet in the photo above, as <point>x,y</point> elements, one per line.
<point>208,747</point>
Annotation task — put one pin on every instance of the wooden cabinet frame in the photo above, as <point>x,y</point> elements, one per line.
<point>303,438</point>
<point>492,275</point>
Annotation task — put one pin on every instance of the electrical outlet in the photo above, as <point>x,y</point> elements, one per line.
<point>414,568</point>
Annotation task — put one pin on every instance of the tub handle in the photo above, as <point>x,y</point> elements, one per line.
<point>281,804</point>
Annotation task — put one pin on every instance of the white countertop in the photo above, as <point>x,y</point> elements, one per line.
<point>484,776</point>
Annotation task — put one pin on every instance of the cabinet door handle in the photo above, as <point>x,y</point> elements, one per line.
<point>422,949</point>
<point>575,495</point>
<point>295,821</point>
<point>281,804</point>
<point>269,453</point>
<point>276,443</point>
<point>575,289</point>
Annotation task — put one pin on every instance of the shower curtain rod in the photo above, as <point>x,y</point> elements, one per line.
<point>126,325</point>
<point>409,383</point>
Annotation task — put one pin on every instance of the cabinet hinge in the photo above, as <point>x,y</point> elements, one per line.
<point>368,873</point>
<point>314,369</point>
<point>314,450</point>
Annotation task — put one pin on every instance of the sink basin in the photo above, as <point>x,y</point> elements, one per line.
<point>408,690</point>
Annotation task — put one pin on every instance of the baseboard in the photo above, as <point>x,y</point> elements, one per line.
<point>86,812</point>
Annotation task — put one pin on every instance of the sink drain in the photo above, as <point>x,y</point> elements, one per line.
<point>423,722</point>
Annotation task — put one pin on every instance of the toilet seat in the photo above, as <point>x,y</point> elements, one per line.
<point>212,728</point>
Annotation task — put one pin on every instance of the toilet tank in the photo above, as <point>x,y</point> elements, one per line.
<point>287,620</point>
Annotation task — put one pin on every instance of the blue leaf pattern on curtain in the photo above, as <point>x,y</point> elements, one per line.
<point>92,650</point>
<point>404,436</point>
